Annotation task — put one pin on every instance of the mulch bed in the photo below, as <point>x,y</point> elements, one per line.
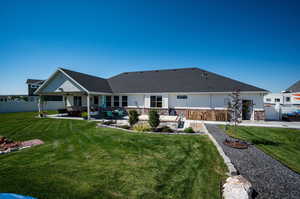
<point>7,145</point>
<point>236,144</point>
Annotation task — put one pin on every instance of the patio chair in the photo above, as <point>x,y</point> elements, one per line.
<point>109,114</point>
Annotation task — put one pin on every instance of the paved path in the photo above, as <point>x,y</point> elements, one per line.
<point>276,124</point>
<point>270,179</point>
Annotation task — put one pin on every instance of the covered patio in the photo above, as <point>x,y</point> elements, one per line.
<point>81,95</point>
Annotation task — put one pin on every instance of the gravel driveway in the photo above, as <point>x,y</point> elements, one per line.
<point>270,179</point>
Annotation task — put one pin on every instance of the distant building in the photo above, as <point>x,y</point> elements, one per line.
<point>33,85</point>
<point>289,97</point>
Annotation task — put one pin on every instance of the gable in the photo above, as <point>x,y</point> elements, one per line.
<point>60,82</point>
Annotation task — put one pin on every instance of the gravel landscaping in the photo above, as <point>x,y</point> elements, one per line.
<point>270,178</point>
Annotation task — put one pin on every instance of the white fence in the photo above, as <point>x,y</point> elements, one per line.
<point>23,106</point>
<point>275,112</point>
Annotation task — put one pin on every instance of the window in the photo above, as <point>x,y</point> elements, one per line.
<point>181,97</point>
<point>277,100</point>
<point>77,101</point>
<point>108,101</point>
<point>96,100</point>
<point>287,99</point>
<point>116,101</point>
<point>124,101</point>
<point>156,101</point>
<point>268,99</point>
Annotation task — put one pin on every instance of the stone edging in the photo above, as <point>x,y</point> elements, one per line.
<point>132,131</point>
<point>232,170</point>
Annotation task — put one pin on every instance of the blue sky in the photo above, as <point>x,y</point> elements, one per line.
<point>256,42</point>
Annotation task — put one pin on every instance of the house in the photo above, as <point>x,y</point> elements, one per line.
<point>278,105</point>
<point>289,97</point>
<point>33,85</point>
<point>193,92</point>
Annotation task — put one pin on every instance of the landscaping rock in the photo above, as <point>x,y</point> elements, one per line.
<point>237,187</point>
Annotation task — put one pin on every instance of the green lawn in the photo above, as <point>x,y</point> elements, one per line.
<point>79,160</point>
<point>282,144</point>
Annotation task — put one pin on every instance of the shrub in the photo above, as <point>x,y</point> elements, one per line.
<point>84,114</point>
<point>62,110</point>
<point>153,118</point>
<point>164,129</point>
<point>125,127</point>
<point>133,117</point>
<point>142,127</point>
<point>189,130</point>
<point>109,122</point>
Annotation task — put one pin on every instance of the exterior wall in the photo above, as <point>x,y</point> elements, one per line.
<point>137,100</point>
<point>61,83</point>
<point>294,98</point>
<point>204,106</point>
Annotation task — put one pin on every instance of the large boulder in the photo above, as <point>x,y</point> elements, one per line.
<point>237,187</point>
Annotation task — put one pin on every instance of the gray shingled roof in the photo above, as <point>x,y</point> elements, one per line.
<point>295,87</point>
<point>174,80</point>
<point>33,81</point>
<point>89,82</point>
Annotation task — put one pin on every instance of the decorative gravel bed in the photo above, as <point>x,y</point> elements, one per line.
<point>270,178</point>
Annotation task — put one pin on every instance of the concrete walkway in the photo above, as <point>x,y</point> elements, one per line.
<point>270,178</point>
<point>276,124</point>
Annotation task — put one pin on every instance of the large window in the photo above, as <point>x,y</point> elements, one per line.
<point>124,101</point>
<point>268,99</point>
<point>287,99</point>
<point>77,101</point>
<point>108,101</point>
<point>277,99</point>
<point>116,101</point>
<point>156,101</point>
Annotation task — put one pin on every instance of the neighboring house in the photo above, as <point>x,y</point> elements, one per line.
<point>278,104</point>
<point>33,85</point>
<point>195,93</point>
<point>9,98</point>
<point>289,97</point>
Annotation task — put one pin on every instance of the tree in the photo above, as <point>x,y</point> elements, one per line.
<point>153,118</point>
<point>234,108</point>
<point>133,117</point>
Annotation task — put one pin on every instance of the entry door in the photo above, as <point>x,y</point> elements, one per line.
<point>247,109</point>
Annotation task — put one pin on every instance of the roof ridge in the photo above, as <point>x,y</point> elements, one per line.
<point>172,69</point>
<point>64,69</point>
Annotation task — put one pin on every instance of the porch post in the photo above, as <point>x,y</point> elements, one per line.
<point>88,106</point>
<point>39,105</point>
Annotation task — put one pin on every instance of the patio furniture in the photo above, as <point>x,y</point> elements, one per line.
<point>109,114</point>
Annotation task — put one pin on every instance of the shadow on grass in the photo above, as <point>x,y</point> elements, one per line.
<point>265,142</point>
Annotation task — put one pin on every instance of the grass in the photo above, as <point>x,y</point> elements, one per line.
<point>79,160</point>
<point>282,144</point>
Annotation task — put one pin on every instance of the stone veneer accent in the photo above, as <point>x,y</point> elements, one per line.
<point>259,115</point>
<point>199,114</point>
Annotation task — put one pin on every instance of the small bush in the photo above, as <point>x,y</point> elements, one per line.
<point>153,118</point>
<point>142,127</point>
<point>164,129</point>
<point>109,122</point>
<point>189,130</point>
<point>63,110</point>
<point>133,117</point>
<point>84,114</point>
<point>125,127</point>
